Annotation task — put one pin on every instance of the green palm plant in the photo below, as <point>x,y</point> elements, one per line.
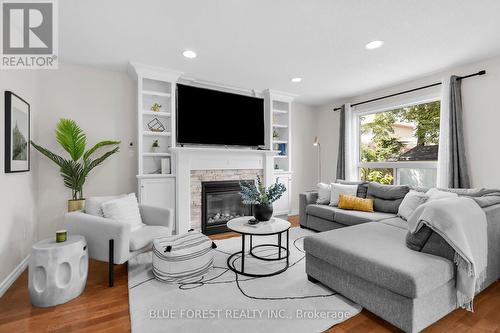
<point>76,169</point>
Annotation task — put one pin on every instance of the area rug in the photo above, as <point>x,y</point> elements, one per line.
<point>223,301</point>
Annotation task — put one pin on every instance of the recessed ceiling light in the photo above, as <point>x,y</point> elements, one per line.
<point>296,79</point>
<point>374,45</point>
<point>189,54</point>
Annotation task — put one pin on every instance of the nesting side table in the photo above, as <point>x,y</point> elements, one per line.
<point>57,271</point>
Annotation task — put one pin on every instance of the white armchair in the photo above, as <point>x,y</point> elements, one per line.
<point>112,241</point>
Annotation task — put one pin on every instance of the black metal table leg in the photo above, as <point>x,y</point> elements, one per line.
<point>287,247</point>
<point>243,253</point>
<point>279,245</point>
<point>234,257</point>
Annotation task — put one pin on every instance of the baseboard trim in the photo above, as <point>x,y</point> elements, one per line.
<point>12,277</point>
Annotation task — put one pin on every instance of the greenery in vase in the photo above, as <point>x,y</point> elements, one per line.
<point>252,194</point>
<point>76,169</point>
<point>155,144</point>
<point>156,107</point>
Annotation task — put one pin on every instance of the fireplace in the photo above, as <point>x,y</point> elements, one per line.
<point>221,202</point>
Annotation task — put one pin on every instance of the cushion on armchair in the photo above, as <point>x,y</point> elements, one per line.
<point>124,209</point>
<point>93,204</point>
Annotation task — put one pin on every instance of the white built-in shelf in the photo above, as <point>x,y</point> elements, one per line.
<point>280,111</point>
<point>156,93</point>
<point>156,154</point>
<point>156,175</point>
<point>280,126</point>
<point>159,114</point>
<point>281,156</point>
<point>151,133</point>
<point>280,141</point>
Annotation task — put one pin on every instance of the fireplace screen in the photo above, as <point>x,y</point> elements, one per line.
<point>221,202</point>
<point>222,207</point>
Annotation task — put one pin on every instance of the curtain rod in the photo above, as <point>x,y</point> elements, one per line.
<point>482,72</point>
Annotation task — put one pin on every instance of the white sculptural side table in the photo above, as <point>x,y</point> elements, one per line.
<point>57,271</point>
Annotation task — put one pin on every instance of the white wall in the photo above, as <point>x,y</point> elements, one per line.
<point>481,119</point>
<point>304,154</point>
<point>18,191</point>
<point>103,103</point>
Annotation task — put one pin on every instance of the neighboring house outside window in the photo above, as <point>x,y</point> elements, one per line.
<point>400,145</point>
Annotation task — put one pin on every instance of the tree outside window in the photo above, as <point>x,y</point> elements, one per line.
<point>406,134</point>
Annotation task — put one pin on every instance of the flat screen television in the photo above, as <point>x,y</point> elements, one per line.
<point>211,117</point>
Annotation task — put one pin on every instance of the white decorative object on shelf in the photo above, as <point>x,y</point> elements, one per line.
<point>57,271</point>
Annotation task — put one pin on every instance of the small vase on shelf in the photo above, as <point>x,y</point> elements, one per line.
<point>155,147</point>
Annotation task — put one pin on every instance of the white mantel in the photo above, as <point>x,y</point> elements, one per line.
<point>202,158</point>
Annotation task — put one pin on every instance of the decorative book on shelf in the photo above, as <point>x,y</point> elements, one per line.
<point>282,149</point>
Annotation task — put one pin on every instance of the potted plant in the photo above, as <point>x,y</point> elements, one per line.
<point>76,169</point>
<point>156,107</point>
<point>261,198</point>
<point>155,147</point>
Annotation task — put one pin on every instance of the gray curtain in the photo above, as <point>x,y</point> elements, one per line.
<point>341,154</point>
<point>459,175</point>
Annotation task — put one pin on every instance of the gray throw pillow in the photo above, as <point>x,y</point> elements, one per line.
<point>427,241</point>
<point>386,198</point>
<point>417,240</point>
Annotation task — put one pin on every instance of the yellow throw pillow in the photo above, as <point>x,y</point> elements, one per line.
<point>355,203</point>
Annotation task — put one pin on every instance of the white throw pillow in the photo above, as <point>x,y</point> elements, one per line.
<point>324,193</point>
<point>125,210</point>
<point>435,194</point>
<point>93,204</point>
<point>338,189</point>
<point>411,201</point>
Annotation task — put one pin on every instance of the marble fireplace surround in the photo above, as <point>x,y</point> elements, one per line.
<point>193,165</point>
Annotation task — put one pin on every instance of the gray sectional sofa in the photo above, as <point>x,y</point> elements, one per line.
<point>364,257</point>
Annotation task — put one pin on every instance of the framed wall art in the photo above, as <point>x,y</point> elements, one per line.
<point>17,134</point>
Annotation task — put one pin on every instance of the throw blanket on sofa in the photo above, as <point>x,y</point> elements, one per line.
<point>462,223</point>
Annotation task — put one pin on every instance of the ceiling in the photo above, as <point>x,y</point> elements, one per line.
<point>260,44</point>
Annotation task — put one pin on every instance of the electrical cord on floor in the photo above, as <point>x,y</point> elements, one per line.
<point>202,281</point>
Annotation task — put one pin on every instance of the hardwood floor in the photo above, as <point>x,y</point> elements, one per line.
<point>103,309</point>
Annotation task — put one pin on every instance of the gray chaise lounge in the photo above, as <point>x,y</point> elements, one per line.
<point>370,263</point>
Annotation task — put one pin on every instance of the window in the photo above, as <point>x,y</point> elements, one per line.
<point>400,146</point>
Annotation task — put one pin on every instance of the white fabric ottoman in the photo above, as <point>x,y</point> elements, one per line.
<point>182,257</point>
<point>57,271</point>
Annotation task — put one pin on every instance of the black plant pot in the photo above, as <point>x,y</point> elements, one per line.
<point>263,212</point>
